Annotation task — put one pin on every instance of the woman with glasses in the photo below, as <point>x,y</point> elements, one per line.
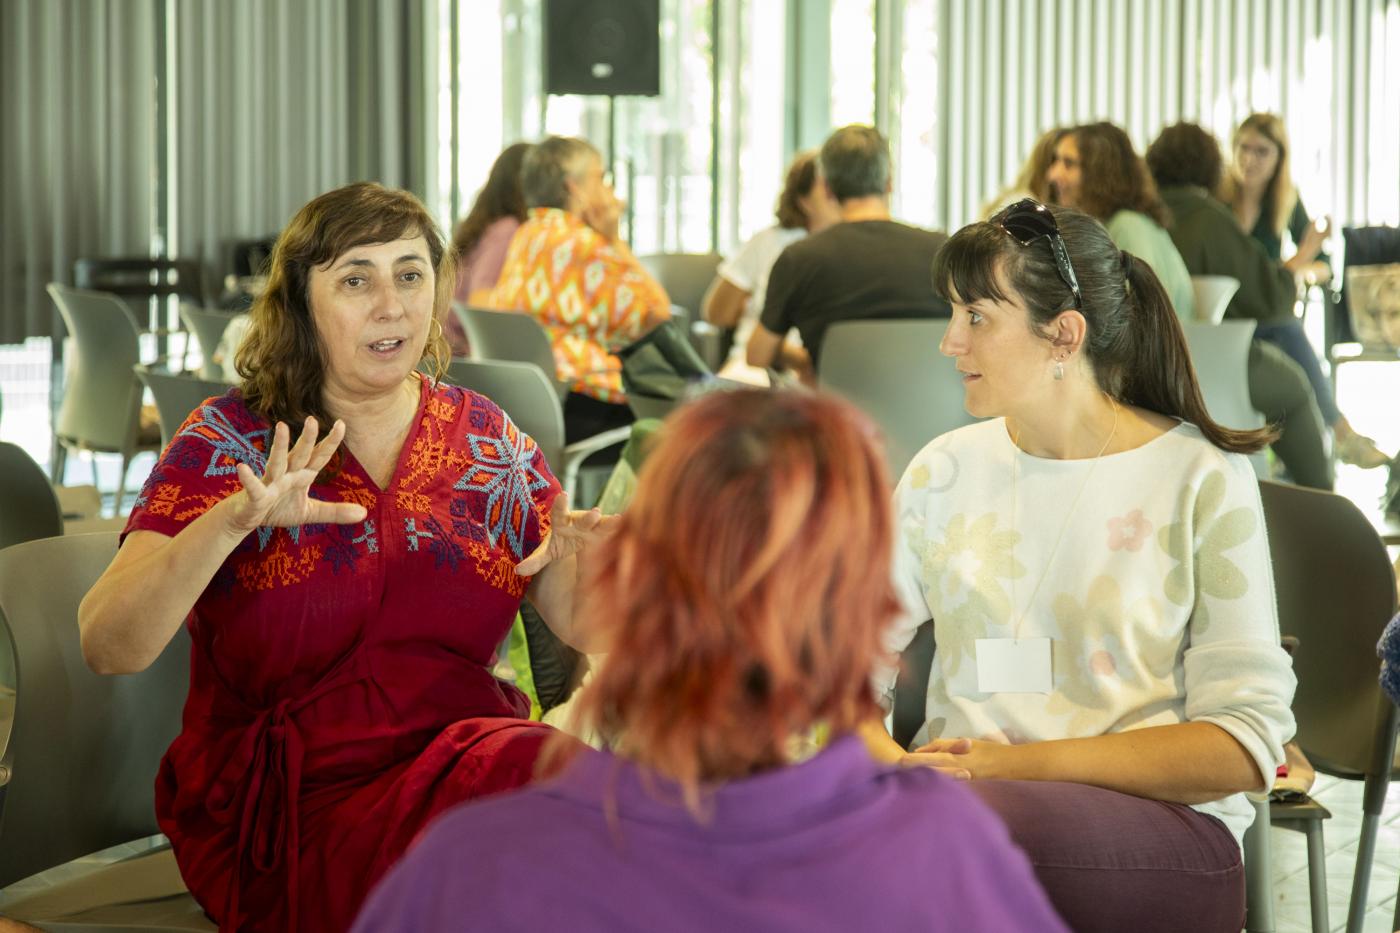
<point>1108,675</point>
<point>1258,188</point>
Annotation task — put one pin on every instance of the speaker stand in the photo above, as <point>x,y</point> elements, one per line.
<point>612,130</point>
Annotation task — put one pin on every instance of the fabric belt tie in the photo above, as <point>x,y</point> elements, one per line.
<point>259,789</point>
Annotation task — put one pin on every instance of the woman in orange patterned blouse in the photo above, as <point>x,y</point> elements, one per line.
<point>568,268</point>
<point>344,596</point>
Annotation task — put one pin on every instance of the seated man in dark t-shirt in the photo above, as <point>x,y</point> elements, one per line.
<point>866,266</point>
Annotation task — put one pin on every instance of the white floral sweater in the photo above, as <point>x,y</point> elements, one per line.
<point>1159,599</point>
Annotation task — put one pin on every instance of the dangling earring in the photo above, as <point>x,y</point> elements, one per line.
<point>1059,370</point>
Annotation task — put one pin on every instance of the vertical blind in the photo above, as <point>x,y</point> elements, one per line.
<point>277,102</point>
<point>77,149</point>
<point>250,108</point>
<point>263,104</point>
<point>1006,70</point>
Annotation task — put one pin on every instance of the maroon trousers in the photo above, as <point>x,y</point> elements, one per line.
<point>1113,862</point>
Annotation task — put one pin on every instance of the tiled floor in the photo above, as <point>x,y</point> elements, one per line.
<point>1340,835</point>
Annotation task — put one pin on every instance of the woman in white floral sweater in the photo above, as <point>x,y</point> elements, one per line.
<point>1108,672</point>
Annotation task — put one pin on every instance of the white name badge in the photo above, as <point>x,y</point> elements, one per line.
<point>1013,665</point>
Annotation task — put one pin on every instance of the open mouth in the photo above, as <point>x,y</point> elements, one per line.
<point>386,347</point>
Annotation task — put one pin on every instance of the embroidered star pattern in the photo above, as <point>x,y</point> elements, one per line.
<point>227,441</point>
<point>503,470</point>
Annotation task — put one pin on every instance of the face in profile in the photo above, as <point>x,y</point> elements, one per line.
<point>1389,320</point>
<point>1002,361</point>
<point>1065,174</point>
<point>372,306</point>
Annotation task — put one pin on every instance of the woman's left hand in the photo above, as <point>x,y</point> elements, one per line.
<point>569,533</point>
<point>962,759</point>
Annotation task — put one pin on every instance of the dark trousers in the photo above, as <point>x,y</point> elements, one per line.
<point>585,416</point>
<point>1289,337</point>
<point>1279,390</point>
<point>1112,862</point>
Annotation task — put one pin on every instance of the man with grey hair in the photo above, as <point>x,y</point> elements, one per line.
<point>866,266</point>
<point>567,267</point>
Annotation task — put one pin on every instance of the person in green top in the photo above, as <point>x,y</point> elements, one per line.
<point>1185,163</point>
<point>1096,170</point>
<point>1258,188</point>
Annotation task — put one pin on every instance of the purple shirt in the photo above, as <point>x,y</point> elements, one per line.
<point>835,843</point>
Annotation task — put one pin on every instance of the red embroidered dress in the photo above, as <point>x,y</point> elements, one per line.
<point>340,692</point>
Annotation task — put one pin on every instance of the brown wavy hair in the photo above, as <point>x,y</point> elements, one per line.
<point>1185,154</point>
<point>1113,176</point>
<point>281,361</point>
<point>744,597</point>
<point>1280,194</point>
<point>801,176</point>
<point>501,196</point>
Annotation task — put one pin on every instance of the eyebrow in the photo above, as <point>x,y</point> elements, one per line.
<point>406,257</point>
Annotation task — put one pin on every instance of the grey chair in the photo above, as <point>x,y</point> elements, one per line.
<point>892,371</point>
<point>78,767</point>
<point>176,396</point>
<point>1212,294</point>
<point>512,336</point>
<point>1220,353</point>
<point>208,327</point>
<point>525,393</point>
<point>686,277</point>
<point>1336,591</point>
<point>101,409</point>
<point>28,507</point>
<point>136,280</point>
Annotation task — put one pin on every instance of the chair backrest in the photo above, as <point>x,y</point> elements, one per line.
<point>141,277</point>
<point>176,396</point>
<point>102,398</point>
<point>513,336</point>
<point>523,392</point>
<point>83,750</point>
<point>911,686</point>
<point>1220,353</point>
<point>28,507</point>
<point>1362,246</point>
<point>208,327</point>
<point>892,371</point>
<point>685,276</point>
<point>1213,294</point>
<point>1336,592</point>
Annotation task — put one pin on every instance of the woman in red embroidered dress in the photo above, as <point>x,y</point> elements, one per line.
<point>345,597</point>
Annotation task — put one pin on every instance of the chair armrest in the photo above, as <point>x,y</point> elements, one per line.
<point>577,452</point>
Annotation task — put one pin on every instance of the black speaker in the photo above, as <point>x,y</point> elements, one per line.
<point>604,47</point>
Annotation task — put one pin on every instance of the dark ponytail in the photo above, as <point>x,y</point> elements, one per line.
<point>1134,341</point>
<point>1158,374</point>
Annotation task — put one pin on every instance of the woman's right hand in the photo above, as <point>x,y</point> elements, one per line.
<point>279,498</point>
<point>1313,239</point>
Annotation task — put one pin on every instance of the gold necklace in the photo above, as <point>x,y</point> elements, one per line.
<point>1054,549</point>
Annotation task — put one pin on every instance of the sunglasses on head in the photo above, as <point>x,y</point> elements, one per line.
<point>1027,221</point>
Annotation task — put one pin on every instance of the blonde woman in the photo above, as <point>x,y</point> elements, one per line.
<point>1258,188</point>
